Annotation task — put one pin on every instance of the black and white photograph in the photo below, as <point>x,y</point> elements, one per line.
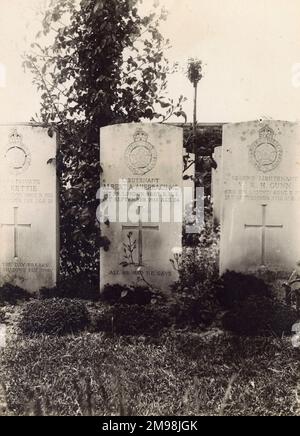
<point>149,211</point>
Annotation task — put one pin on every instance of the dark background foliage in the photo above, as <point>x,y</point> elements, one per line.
<point>12,295</point>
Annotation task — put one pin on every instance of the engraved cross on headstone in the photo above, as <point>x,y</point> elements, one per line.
<point>16,227</point>
<point>264,226</point>
<point>140,227</point>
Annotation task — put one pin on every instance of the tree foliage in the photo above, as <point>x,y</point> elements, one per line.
<point>105,64</point>
<point>195,71</point>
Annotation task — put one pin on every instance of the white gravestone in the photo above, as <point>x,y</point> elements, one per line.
<point>146,157</point>
<point>216,185</point>
<point>29,241</point>
<point>261,197</point>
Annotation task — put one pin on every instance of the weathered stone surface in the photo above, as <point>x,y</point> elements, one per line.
<point>29,229</point>
<point>261,197</point>
<point>144,247</point>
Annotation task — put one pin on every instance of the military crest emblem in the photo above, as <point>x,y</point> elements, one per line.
<point>17,156</point>
<point>266,153</point>
<point>141,156</point>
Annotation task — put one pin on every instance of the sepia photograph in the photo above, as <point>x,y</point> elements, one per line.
<point>149,211</point>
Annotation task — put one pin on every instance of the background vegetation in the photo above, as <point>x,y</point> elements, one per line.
<point>106,65</point>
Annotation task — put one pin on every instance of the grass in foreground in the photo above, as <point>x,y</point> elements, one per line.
<point>179,374</point>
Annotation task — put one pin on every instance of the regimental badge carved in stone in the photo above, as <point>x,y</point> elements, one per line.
<point>141,156</point>
<point>266,153</point>
<point>17,155</point>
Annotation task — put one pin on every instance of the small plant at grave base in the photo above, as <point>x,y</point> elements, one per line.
<point>12,295</point>
<point>201,263</point>
<point>195,291</point>
<point>131,295</point>
<point>54,317</point>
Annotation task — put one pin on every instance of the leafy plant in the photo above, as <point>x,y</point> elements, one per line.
<point>132,295</point>
<point>129,250</point>
<point>195,71</point>
<point>196,290</point>
<point>201,262</point>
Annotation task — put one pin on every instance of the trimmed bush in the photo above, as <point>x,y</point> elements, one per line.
<point>12,295</point>
<point>260,316</point>
<point>234,288</point>
<point>54,317</point>
<point>134,320</point>
<point>78,287</point>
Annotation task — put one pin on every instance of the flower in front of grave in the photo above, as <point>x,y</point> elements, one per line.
<point>177,256</point>
<point>177,251</point>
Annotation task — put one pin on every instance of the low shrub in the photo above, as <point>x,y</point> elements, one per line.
<point>134,320</point>
<point>201,263</point>
<point>12,295</point>
<point>195,292</point>
<point>130,295</point>
<point>234,288</point>
<point>196,307</point>
<point>260,316</point>
<point>77,287</point>
<point>54,317</point>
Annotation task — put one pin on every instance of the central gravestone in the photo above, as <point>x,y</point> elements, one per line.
<point>142,171</point>
<point>261,197</point>
<point>29,208</point>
